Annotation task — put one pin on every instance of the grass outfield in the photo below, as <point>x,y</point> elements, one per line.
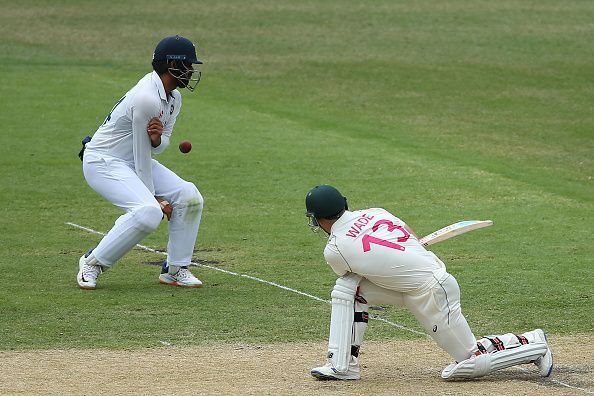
<point>437,111</point>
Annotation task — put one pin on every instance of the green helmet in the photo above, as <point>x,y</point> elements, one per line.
<point>325,202</point>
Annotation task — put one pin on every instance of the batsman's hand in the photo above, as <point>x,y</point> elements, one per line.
<point>166,207</point>
<point>155,130</point>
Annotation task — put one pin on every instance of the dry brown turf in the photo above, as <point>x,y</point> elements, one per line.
<point>394,368</point>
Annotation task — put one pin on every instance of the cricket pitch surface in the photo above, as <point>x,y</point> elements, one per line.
<point>387,368</point>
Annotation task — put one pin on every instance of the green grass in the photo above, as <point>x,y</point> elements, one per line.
<point>438,111</point>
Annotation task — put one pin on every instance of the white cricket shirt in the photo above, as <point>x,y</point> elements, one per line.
<point>374,244</point>
<point>124,134</point>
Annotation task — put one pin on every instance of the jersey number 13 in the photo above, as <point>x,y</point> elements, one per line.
<point>368,240</point>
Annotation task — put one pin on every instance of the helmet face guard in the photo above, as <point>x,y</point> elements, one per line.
<point>188,77</point>
<point>312,222</point>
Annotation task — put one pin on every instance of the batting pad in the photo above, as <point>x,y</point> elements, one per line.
<point>478,366</point>
<point>341,321</point>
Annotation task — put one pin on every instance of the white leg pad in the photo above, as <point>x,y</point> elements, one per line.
<point>478,366</point>
<point>341,321</point>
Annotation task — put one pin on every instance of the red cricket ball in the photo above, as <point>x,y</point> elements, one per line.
<point>185,146</point>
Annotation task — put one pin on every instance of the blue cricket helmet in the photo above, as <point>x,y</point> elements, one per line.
<point>176,48</point>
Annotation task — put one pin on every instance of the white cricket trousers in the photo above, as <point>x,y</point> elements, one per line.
<point>436,307</point>
<point>117,182</point>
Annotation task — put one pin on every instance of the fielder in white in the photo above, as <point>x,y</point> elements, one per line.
<point>118,164</point>
<point>379,260</point>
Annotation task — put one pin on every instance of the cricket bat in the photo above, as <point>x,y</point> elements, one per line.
<point>453,230</point>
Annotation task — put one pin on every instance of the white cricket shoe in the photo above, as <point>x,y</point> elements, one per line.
<point>328,372</point>
<point>544,363</point>
<point>87,274</point>
<point>182,277</point>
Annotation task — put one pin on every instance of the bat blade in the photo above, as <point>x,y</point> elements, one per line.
<point>453,230</point>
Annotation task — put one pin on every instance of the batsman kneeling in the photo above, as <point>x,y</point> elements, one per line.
<point>379,260</point>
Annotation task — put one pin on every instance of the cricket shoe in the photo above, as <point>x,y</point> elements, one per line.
<point>182,277</point>
<point>545,362</point>
<point>87,274</point>
<point>328,372</point>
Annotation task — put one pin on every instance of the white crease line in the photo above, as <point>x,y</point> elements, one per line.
<point>395,324</point>
<point>561,383</point>
<point>571,386</point>
<point>399,326</point>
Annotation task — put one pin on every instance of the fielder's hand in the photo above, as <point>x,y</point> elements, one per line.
<point>166,207</point>
<point>155,130</point>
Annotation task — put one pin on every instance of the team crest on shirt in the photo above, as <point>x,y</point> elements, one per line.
<point>161,114</point>
<point>171,110</point>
